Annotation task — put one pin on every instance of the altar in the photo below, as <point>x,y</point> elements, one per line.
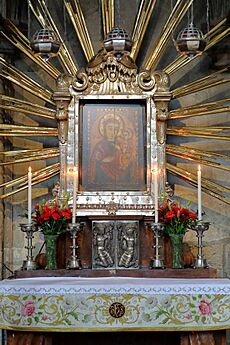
<point>77,304</point>
<point>113,271</point>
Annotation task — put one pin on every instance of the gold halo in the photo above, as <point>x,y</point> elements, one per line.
<point>110,117</point>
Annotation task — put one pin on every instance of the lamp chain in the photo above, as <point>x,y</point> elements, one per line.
<point>46,14</point>
<point>28,15</point>
<point>64,21</point>
<point>118,14</point>
<point>207,14</point>
<point>192,13</point>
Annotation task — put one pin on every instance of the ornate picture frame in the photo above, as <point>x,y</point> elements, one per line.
<point>114,82</point>
<point>113,142</point>
<point>87,117</point>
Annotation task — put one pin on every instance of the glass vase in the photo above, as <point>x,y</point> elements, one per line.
<point>177,250</point>
<point>51,242</point>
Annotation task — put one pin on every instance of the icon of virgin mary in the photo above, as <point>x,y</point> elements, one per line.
<point>112,158</point>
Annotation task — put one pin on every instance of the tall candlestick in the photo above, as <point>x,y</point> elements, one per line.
<point>199,193</point>
<point>29,194</point>
<point>156,194</point>
<point>75,177</point>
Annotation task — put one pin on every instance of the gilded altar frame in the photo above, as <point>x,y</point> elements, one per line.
<point>111,80</point>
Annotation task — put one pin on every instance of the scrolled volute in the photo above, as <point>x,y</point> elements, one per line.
<point>146,80</point>
<point>80,82</point>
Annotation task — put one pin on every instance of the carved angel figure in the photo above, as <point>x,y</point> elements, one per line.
<point>128,243</point>
<point>101,240</point>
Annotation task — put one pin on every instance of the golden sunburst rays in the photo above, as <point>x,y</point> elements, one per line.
<point>215,35</point>
<point>209,81</point>
<point>79,24</point>
<point>29,131</point>
<point>200,132</point>
<point>33,109</point>
<point>21,183</point>
<point>76,16</point>
<point>183,154</point>
<point>208,108</point>
<point>22,156</point>
<point>17,77</point>
<point>44,17</point>
<point>211,188</point>
<point>21,42</point>
<point>144,13</point>
<point>197,156</point>
<point>108,15</point>
<point>177,13</point>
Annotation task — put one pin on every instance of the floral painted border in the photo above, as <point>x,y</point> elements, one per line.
<point>105,311</point>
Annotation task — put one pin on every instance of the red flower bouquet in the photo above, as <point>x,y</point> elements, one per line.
<point>176,219</point>
<point>52,216</point>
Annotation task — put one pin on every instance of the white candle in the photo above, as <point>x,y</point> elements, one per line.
<point>29,194</point>
<point>75,176</point>
<point>156,194</point>
<point>199,193</point>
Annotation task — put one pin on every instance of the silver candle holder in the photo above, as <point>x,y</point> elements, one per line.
<point>29,263</point>
<point>200,228</point>
<point>73,262</point>
<point>157,229</point>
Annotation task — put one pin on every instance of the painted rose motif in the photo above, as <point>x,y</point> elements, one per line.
<point>28,308</point>
<point>205,307</point>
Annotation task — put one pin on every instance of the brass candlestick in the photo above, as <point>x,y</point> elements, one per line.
<point>29,263</point>
<point>74,229</point>
<point>157,229</point>
<point>200,227</point>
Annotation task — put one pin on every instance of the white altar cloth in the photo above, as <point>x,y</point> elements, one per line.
<point>114,303</point>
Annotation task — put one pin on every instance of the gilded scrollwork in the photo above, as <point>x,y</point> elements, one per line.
<point>105,74</point>
<point>80,83</point>
<point>62,97</point>
<point>108,74</point>
<point>162,80</point>
<point>63,83</point>
<point>113,77</point>
<point>112,208</point>
<point>146,80</point>
<point>162,115</point>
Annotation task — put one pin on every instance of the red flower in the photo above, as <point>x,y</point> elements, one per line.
<point>192,215</point>
<point>56,215</point>
<point>176,219</point>
<point>67,213</point>
<point>28,308</point>
<point>170,214</point>
<point>205,307</point>
<point>51,216</point>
